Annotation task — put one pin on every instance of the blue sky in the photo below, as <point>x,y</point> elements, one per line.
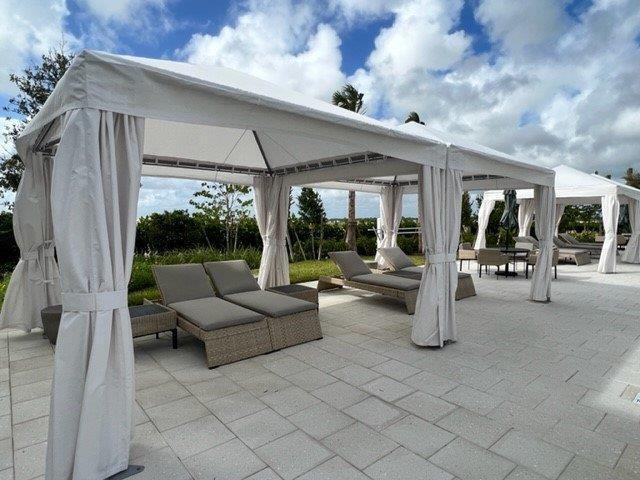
<point>550,81</point>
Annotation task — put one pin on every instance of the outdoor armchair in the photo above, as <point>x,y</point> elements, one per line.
<point>291,321</point>
<point>229,332</point>
<point>466,252</point>
<point>491,257</point>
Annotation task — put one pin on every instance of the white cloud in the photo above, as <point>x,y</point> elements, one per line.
<point>123,11</point>
<point>28,29</point>
<point>277,41</point>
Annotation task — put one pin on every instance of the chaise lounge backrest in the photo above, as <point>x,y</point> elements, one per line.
<point>350,264</point>
<point>396,257</point>
<point>231,276</point>
<point>178,283</point>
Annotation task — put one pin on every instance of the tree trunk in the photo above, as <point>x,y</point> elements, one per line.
<point>313,245</point>
<point>351,221</point>
<point>320,242</point>
<point>304,256</point>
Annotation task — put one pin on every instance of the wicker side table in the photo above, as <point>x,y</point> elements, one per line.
<point>145,320</point>
<point>297,291</point>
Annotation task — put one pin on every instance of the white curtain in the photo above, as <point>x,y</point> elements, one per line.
<point>272,214</point>
<point>486,207</point>
<point>94,196</point>
<point>544,201</point>
<point>610,213</point>
<point>35,282</point>
<point>525,216</point>
<point>559,213</point>
<point>390,216</point>
<point>631,253</point>
<point>439,204</point>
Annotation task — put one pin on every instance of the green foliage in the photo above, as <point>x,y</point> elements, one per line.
<point>348,98</point>
<point>468,219</point>
<point>223,204</point>
<point>581,218</point>
<point>34,85</point>
<point>312,214</point>
<point>413,117</point>
<point>632,178</point>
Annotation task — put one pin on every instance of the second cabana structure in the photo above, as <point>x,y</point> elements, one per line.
<point>575,187</point>
<point>112,119</point>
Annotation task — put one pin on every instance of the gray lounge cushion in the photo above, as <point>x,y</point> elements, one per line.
<point>396,257</point>
<point>413,269</point>
<point>270,304</point>
<point>178,283</point>
<point>389,281</point>
<point>213,313</point>
<point>350,264</point>
<point>231,276</point>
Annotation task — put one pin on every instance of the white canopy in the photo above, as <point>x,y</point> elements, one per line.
<point>575,187</point>
<point>114,118</point>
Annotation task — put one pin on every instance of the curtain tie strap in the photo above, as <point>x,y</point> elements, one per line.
<point>30,255</point>
<point>91,302</point>
<point>441,258</point>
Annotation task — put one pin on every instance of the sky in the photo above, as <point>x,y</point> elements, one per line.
<point>549,81</point>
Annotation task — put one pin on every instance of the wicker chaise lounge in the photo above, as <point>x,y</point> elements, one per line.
<point>229,332</point>
<point>291,321</point>
<point>569,241</point>
<point>403,266</point>
<point>578,256</point>
<point>356,274</point>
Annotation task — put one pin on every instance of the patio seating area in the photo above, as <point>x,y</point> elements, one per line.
<point>530,391</point>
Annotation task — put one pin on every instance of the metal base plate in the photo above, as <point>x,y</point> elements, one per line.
<point>510,273</point>
<point>129,472</point>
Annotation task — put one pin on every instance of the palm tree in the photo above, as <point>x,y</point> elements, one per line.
<point>413,117</point>
<point>349,98</point>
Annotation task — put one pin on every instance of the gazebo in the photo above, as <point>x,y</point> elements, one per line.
<point>575,187</point>
<point>114,118</point>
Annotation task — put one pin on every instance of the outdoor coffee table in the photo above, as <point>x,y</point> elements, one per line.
<point>297,291</point>
<point>517,253</point>
<point>146,319</point>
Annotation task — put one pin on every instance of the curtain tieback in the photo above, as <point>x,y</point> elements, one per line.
<point>441,258</point>
<point>48,250</point>
<point>91,302</point>
<point>269,240</point>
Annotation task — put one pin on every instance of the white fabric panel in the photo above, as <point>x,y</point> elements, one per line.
<point>204,143</point>
<point>194,174</point>
<point>272,214</point>
<point>544,202</point>
<point>559,212</point>
<point>525,216</point>
<point>610,213</point>
<point>390,216</point>
<point>94,198</point>
<point>440,204</point>
<point>484,212</point>
<point>35,282</point>
<point>631,252</point>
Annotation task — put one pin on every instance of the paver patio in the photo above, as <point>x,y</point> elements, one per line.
<point>530,391</point>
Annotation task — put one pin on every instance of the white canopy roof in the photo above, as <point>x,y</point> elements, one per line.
<point>575,187</point>
<point>213,123</point>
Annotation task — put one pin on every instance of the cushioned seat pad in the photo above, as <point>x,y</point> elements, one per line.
<point>213,313</point>
<point>271,304</point>
<point>396,257</point>
<point>413,269</point>
<point>389,281</point>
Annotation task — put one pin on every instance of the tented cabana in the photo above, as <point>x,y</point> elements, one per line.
<point>575,187</point>
<point>114,118</point>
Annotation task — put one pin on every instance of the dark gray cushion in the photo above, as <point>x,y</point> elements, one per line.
<point>389,281</point>
<point>270,303</point>
<point>396,257</point>
<point>349,263</point>
<point>213,313</point>
<point>231,276</point>
<point>414,269</point>
<point>178,283</point>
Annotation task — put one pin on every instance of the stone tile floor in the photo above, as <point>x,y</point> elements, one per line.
<point>530,391</point>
